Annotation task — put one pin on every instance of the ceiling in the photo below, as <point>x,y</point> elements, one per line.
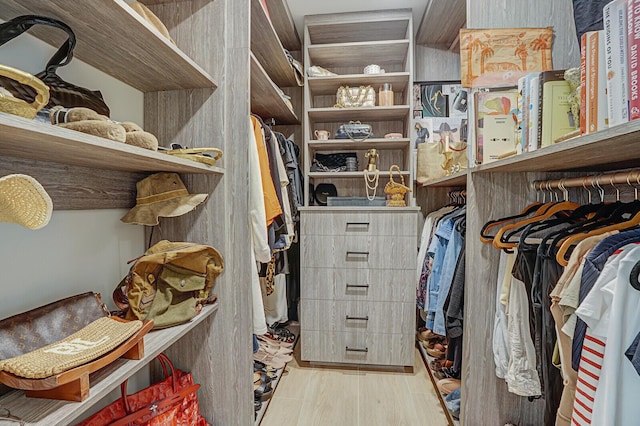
<point>300,8</point>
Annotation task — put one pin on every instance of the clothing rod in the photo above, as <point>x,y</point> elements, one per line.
<point>631,177</point>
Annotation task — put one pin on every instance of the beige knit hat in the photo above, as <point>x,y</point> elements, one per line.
<point>24,201</point>
<point>161,195</point>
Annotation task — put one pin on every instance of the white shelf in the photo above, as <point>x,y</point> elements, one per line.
<point>115,39</point>
<point>48,412</point>
<point>24,138</point>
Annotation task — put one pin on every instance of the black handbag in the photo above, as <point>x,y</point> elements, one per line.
<point>336,162</point>
<point>60,92</point>
<point>355,131</point>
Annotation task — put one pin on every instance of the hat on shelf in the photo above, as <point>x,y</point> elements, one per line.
<point>24,201</point>
<point>161,195</point>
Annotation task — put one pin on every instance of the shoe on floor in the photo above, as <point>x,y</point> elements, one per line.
<point>446,386</point>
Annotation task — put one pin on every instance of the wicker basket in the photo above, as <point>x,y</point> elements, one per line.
<point>17,106</point>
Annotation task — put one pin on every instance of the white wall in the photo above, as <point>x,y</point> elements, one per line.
<point>77,251</point>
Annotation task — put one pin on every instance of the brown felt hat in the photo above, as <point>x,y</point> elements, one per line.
<point>161,195</point>
<point>24,201</point>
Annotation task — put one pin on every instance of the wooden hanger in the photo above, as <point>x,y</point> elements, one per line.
<point>531,208</point>
<point>499,241</point>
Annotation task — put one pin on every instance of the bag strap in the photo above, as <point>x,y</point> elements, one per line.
<point>20,24</point>
<point>167,366</point>
<point>351,136</point>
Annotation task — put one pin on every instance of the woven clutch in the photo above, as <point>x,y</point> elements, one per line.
<point>94,340</point>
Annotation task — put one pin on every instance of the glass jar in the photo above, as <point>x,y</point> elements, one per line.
<point>385,95</point>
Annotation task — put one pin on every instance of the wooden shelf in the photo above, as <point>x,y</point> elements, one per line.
<point>457,179</point>
<point>351,175</point>
<point>426,358</point>
<point>614,148</point>
<point>350,208</point>
<point>265,98</point>
<point>48,412</point>
<point>379,143</point>
<point>268,49</point>
<point>329,85</point>
<point>434,30</point>
<point>283,24</point>
<point>359,53</point>
<point>323,115</point>
<point>381,25</point>
<point>116,40</point>
<point>24,138</point>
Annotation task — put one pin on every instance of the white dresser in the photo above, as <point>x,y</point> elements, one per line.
<point>357,286</point>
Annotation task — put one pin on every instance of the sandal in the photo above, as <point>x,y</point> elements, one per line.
<point>262,390</point>
<point>424,334</point>
<point>437,364</point>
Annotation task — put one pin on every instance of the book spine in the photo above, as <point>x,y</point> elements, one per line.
<point>519,120</point>
<point>583,84</point>
<point>534,118</point>
<point>601,90</point>
<point>592,81</point>
<point>633,40</point>
<point>525,112</point>
<point>615,31</point>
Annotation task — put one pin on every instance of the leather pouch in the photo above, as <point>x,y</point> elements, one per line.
<point>47,324</point>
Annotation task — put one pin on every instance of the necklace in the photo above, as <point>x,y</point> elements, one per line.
<point>371,183</point>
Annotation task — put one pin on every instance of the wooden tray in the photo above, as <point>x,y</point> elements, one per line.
<point>73,385</point>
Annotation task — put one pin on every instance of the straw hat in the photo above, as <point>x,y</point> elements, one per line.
<point>24,201</point>
<point>161,195</point>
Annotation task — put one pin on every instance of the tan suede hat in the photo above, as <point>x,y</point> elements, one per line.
<point>24,201</point>
<point>161,195</point>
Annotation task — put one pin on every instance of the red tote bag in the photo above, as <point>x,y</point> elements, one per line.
<point>170,402</point>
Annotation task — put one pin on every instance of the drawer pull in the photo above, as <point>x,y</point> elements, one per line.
<point>357,226</point>
<point>358,255</point>
<point>348,349</point>
<point>357,318</point>
<point>357,286</point>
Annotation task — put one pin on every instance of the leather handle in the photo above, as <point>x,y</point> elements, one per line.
<point>348,349</point>
<point>366,318</point>
<point>20,24</point>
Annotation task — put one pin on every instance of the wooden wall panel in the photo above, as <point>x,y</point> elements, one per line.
<point>79,188</point>
<point>485,396</point>
<point>436,63</point>
<point>216,35</point>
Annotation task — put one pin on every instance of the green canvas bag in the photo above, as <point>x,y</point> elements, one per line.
<point>170,283</point>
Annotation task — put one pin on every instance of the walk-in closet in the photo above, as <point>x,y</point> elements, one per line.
<point>291,213</point>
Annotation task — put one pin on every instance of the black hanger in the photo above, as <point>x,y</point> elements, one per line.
<point>530,209</point>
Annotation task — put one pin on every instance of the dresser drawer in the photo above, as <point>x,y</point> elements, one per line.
<point>382,285</point>
<point>358,348</point>
<point>365,223</point>
<point>374,317</point>
<point>377,252</point>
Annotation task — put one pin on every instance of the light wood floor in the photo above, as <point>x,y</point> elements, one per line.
<point>314,395</point>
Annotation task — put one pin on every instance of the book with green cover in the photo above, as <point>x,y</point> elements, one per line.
<point>556,110</point>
